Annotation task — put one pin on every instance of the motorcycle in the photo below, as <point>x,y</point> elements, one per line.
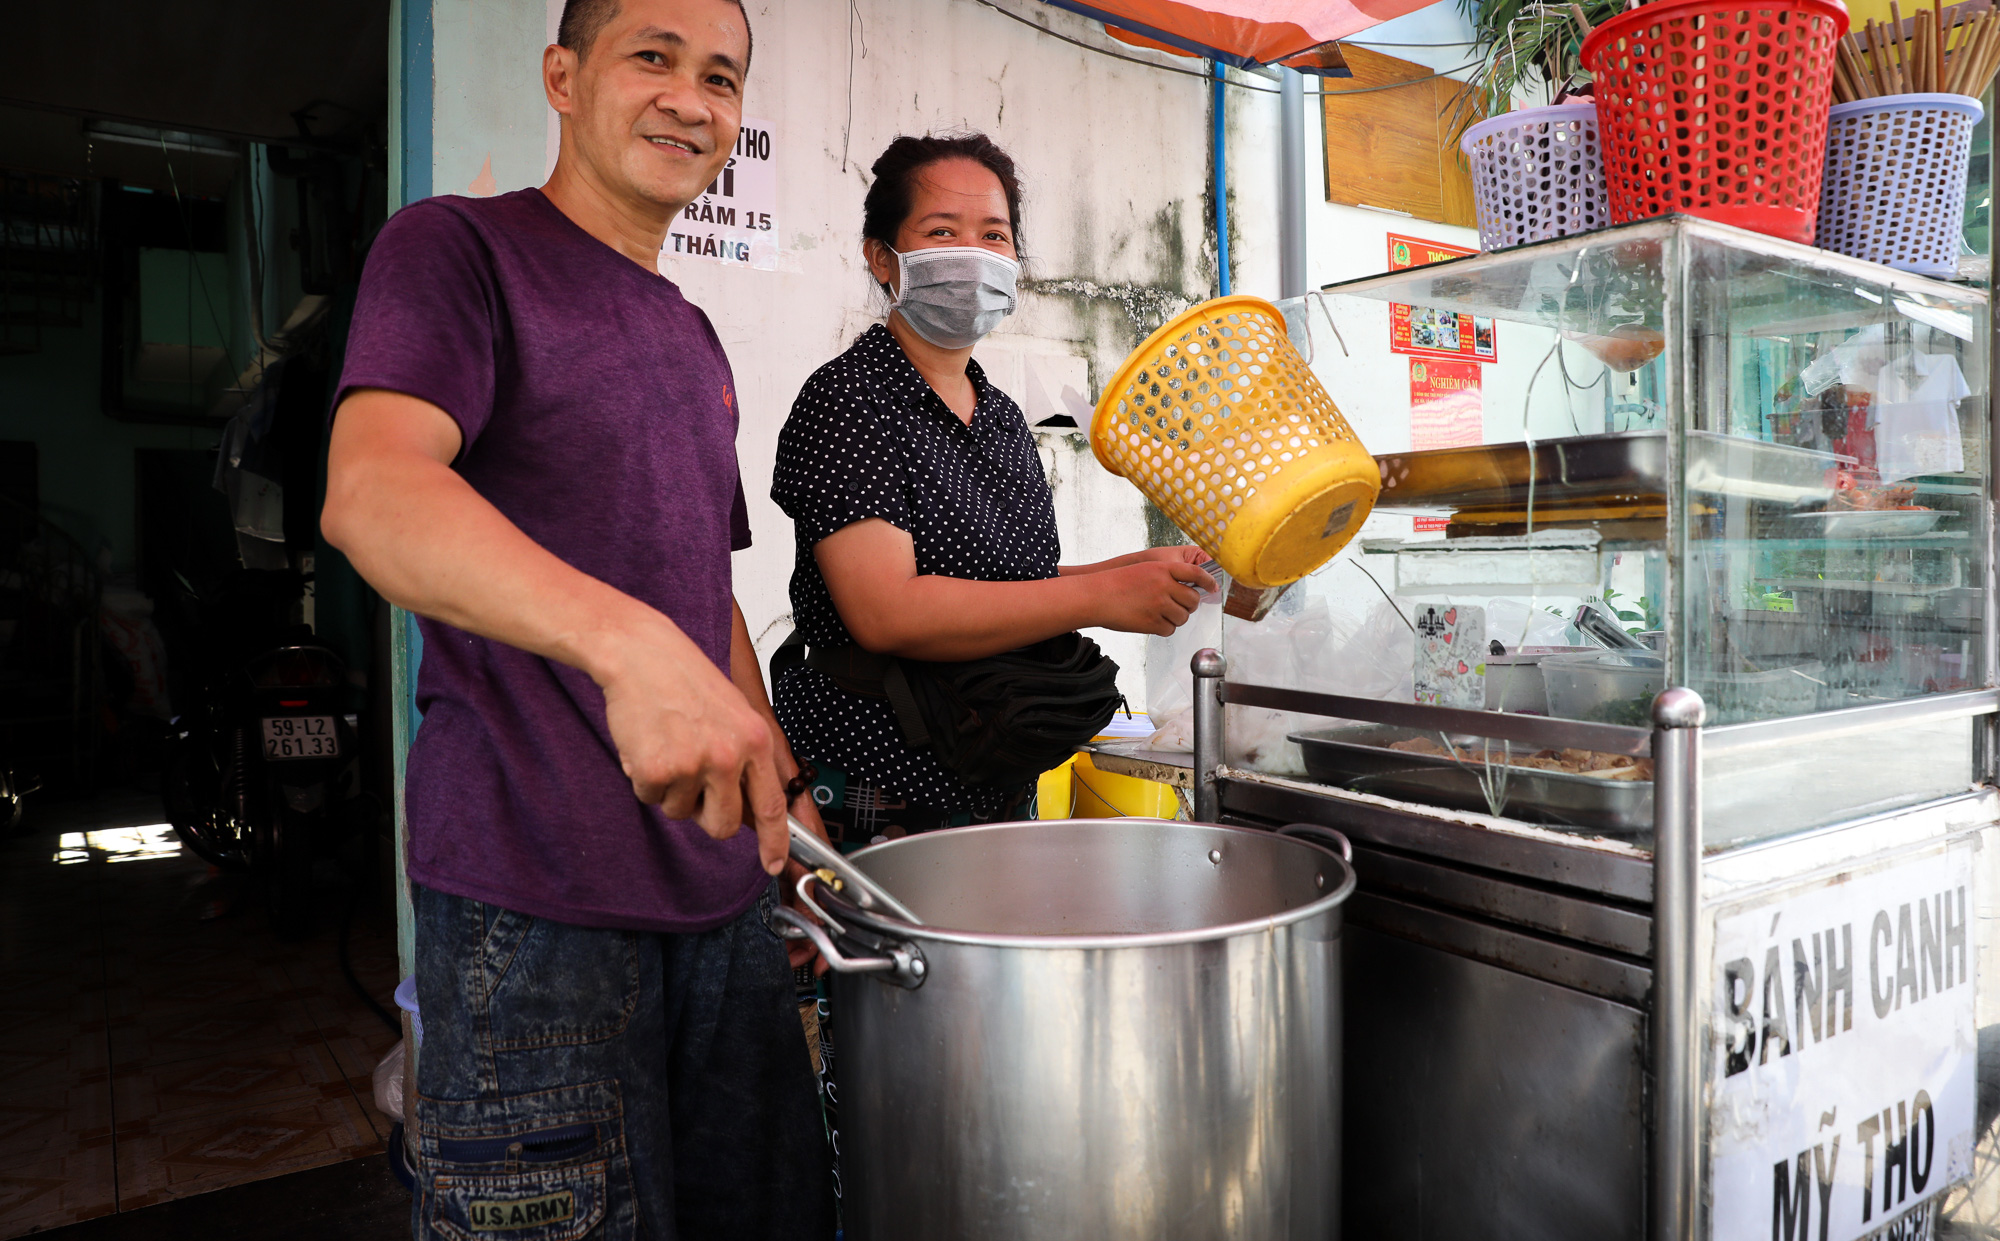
<point>263,769</point>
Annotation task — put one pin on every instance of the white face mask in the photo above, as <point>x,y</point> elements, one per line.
<point>954,295</point>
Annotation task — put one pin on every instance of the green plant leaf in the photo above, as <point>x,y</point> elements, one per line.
<point>1519,39</point>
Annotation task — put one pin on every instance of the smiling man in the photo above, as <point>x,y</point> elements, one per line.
<point>534,451</point>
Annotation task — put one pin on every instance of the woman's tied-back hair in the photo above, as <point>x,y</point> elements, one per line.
<point>896,171</point>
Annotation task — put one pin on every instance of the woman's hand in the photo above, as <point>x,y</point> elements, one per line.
<point>1153,596</point>
<point>1153,591</point>
<point>1181,553</point>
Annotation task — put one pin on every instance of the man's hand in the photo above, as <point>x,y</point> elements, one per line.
<point>694,746</point>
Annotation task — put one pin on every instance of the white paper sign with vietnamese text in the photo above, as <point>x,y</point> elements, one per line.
<point>1844,1054</point>
<point>735,220</point>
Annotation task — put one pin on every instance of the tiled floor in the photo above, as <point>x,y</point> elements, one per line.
<point>147,1053</point>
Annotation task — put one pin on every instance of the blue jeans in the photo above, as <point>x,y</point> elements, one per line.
<point>611,1084</point>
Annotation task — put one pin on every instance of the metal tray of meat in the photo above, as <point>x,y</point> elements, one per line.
<point>1622,466</point>
<point>1358,757</point>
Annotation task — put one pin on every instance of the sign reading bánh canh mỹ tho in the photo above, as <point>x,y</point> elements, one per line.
<point>1430,331</point>
<point>1844,1054</point>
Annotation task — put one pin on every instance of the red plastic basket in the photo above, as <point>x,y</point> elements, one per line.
<point>1717,109</point>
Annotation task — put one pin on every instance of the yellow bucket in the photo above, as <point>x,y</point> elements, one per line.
<point>1223,425</point>
<point>1079,789</point>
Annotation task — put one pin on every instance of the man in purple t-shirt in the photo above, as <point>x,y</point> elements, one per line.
<point>534,451</point>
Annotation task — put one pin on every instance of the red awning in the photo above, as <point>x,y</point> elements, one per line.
<point>1241,32</point>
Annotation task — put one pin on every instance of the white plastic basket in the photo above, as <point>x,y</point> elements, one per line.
<point>1537,173</point>
<point>1894,191</point>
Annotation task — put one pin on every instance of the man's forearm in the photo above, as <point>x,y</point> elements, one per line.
<point>428,542</point>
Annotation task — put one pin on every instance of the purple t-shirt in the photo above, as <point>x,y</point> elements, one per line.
<point>599,416</point>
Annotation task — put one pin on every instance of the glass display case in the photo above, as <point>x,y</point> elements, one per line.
<point>1713,464</point>
<point>1751,468</point>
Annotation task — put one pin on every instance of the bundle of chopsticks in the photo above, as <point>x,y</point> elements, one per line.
<point>1941,50</point>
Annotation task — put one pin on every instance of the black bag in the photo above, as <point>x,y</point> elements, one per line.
<point>1002,720</point>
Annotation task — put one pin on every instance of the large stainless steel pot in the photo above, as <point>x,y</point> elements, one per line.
<point>1104,1028</point>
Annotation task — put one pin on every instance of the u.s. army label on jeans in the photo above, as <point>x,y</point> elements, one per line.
<point>490,1216</point>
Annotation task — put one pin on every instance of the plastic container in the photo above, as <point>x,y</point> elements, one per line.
<point>1894,187</point>
<point>406,999</point>
<point>1514,680</point>
<point>1609,687</point>
<point>1536,173</point>
<point>1716,108</point>
<point>1221,423</point>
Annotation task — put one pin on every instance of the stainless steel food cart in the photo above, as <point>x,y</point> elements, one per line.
<point>1756,994</point>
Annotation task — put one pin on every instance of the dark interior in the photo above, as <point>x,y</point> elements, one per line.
<point>187,191</point>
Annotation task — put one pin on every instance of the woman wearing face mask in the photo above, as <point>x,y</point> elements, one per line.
<point>924,523</point>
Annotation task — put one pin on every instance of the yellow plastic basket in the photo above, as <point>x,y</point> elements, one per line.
<point>1222,424</point>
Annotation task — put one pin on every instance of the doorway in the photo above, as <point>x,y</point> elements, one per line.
<point>184,208</point>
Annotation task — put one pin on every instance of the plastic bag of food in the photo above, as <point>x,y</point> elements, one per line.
<point>1327,641</point>
<point>1348,641</point>
<point>1169,679</point>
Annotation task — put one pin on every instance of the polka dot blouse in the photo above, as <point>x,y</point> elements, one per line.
<point>868,438</point>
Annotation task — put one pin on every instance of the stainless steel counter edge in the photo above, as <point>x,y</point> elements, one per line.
<point>1174,768</point>
<point>1588,865</point>
<point>1537,729</point>
<point>1585,864</point>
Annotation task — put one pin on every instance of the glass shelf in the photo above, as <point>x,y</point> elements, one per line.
<point>1614,281</point>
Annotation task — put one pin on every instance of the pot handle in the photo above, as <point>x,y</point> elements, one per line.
<point>815,854</point>
<point>903,964</point>
<point>1321,835</point>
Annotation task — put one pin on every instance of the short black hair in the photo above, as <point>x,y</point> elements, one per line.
<point>888,202</point>
<point>583,20</point>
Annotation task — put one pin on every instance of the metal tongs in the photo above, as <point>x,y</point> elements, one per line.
<point>893,959</point>
<point>833,869</point>
<point>1601,629</point>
